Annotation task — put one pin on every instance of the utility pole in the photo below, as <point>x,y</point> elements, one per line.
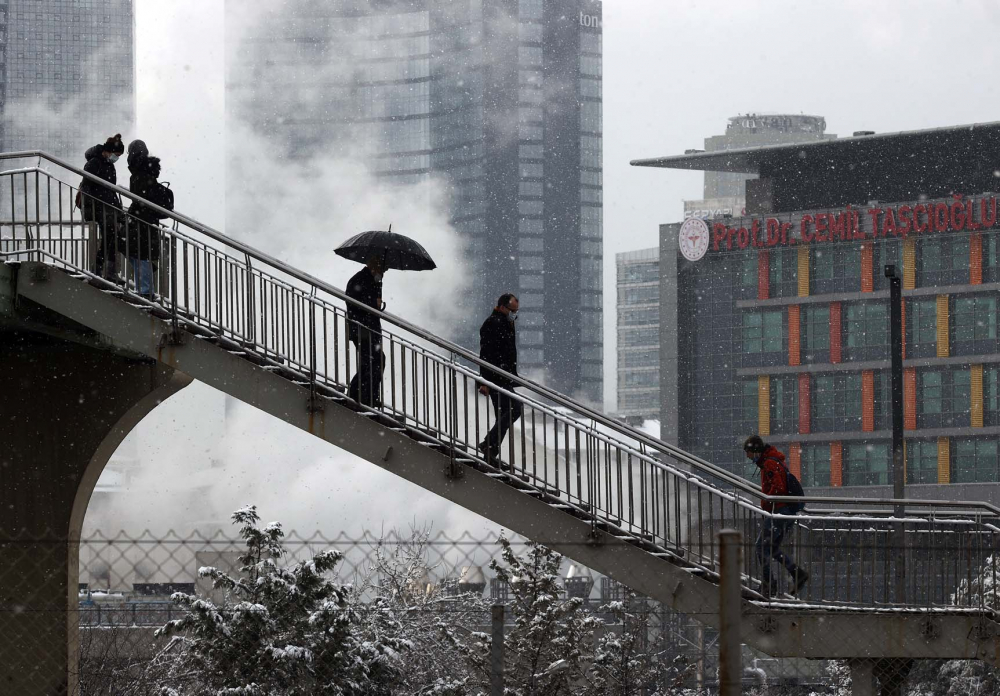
<point>730,607</point>
<point>896,347</point>
<point>898,472</point>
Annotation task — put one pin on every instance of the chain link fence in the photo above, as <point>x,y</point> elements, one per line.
<point>128,587</point>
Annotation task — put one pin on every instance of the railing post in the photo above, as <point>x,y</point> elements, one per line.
<point>730,669</point>
<point>496,652</point>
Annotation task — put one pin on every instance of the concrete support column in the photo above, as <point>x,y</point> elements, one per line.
<point>65,408</point>
<point>862,677</point>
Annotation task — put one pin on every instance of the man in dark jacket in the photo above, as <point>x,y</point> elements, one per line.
<point>498,346</point>
<point>101,205</point>
<point>364,330</point>
<point>142,241</point>
<point>773,481</point>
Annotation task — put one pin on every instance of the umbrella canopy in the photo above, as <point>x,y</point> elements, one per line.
<point>397,251</point>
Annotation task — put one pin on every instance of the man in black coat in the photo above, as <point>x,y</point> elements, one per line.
<point>364,330</point>
<point>101,205</point>
<point>498,346</point>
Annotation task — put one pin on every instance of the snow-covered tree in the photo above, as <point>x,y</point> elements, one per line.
<point>623,664</point>
<point>397,574</point>
<point>283,630</point>
<point>548,647</point>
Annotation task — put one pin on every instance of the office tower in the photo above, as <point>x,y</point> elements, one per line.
<point>498,99</point>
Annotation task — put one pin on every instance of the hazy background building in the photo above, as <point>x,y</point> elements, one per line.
<point>500,99</point>
<point>69,74</point>
<point>725,191</point>
<point>638,334</point>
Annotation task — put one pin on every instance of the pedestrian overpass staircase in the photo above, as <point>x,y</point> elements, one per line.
<point>889,579</point>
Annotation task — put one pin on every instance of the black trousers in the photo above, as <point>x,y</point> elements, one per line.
<point>366,385</point>
<point>507,412</point>
<point>768,546</point>
<point>107,220</point>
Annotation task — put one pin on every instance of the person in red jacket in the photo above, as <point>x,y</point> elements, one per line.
<point>773,481</point>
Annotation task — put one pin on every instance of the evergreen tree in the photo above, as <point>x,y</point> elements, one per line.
<point>282,630</point>
<point>547,649</point>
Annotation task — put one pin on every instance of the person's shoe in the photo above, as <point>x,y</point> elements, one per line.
<point>800,577</point>
<point>488,454</point>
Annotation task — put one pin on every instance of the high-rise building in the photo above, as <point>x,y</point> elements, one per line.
<point>725,191</point>
<point>69,74</point>
<point>638,334</point>
<point>500,99</point>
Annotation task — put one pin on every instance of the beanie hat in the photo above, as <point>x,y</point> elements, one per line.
<point>114,144</point>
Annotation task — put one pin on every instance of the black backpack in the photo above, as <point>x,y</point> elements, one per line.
<point>795,489</point>
<point>161,195</point>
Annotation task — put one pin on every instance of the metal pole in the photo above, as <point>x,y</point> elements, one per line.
<point>896,344</point>
<point>496,653</point>
<point>730,669</point>
<point>898,472</point>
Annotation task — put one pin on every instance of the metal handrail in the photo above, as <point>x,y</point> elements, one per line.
<point>612,475</point>
<point>622,428</point>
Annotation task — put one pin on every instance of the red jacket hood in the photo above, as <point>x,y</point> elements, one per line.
<point>771,452</point>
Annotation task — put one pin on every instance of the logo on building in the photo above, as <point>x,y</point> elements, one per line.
<point>590,20</point>
<point>693,238</point>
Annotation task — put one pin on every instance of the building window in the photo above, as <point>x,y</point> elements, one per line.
<point>815,466</point>
<point>976,461</point>
<point>748,271</point>
<point>867,325</point>
<point>783,271</point>
<point>922,461</point>
<point>784,404</point>
<point>991,395</point>
<point>866,465</point>
<point>975,318</point>
<point>931,392</point>
<point>822,264</point>
<point>921,321</point>
<point>944,398</point>
<point>817,328</point>
<point>763,332</point>
<point>836,403</point>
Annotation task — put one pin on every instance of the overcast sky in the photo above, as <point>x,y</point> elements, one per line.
<point>673,73</point>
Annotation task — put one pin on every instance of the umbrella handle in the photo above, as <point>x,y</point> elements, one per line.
<point>382,308</point>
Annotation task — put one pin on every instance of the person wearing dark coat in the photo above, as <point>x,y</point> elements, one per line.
<point>498,347</point>
<point>142,241</point>
<point>102,205</point>
<point>365,332</point>
<point>773,481</point>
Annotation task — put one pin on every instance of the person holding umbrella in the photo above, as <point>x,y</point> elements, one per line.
<point>379,251</point>
<point>365,332</point>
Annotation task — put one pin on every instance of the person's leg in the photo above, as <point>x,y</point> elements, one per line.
<point>762,548</point>
<point>492,439</point>
<point>378,366</point>
<point>354,390</point>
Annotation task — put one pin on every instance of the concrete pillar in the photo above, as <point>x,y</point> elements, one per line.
<point>862,677</point>
<point>65,406</point>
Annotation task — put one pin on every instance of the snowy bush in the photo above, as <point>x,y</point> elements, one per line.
<point>548,647</point>
<point>282,630</point>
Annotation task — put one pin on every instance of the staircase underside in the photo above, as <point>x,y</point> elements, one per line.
<point>36,293</point>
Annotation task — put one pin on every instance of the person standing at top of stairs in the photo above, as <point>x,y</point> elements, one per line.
<point>101,205</point>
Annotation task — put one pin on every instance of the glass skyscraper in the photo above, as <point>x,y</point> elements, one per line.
<point>500,98</point>
<point>68,78</point>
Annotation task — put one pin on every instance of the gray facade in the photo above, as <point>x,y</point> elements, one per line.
<point>638,309</point>
<point>499,99</point>
<point>68,78</point>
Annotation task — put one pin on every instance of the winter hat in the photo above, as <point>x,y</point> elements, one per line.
<point>136,150</point>
<point>114,144</point>
<point>151,166</point>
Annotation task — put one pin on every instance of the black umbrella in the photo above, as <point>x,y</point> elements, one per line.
<point>396,251</point>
